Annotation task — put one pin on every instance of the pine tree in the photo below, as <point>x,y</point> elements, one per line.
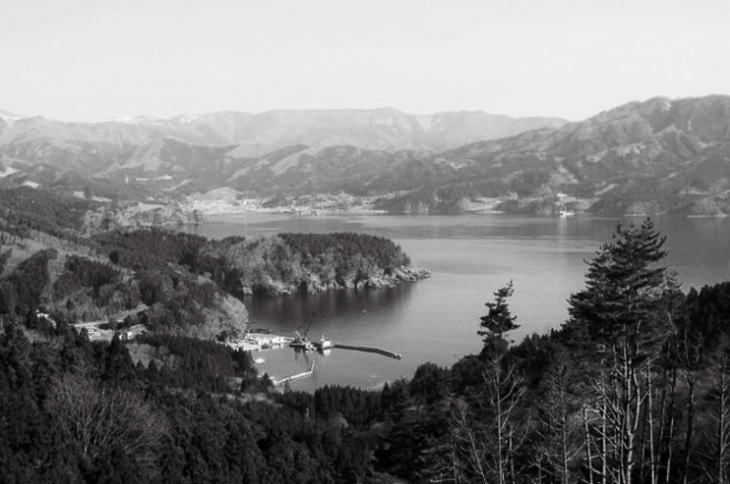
<point>497,321</point>
<point>487,438</point>
<point>623,318</point>
<point>623,289</point>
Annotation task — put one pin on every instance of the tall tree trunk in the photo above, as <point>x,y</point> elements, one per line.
<point>564,444</point>
<point>668,472</point>
<point>722,423</point>
<point>690,426</point>
<point>588,446</point>
<point>499,416</point>
<point>670,437</point>
<point>511,451</point>
<point>604,434</point>
<point>650,411</point>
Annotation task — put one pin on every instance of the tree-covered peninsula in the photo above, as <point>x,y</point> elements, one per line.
<point>306,263</point>
<point>170,282</point>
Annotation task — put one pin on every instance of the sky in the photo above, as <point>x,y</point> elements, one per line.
<point>97,59</point>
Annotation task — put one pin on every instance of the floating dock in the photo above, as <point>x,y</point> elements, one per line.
<point>369,349</point>
<point>296,376</point>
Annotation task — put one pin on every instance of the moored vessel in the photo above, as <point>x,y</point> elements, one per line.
<point>301,342</point>
<point>324,344</point>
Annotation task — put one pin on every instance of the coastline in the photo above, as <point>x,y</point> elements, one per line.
<point>312,284</point>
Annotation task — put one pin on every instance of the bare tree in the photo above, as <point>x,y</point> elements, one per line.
<point>716,469</point>
<point>98,420</point>
<point>653,464</point>
<point>504,393</point>
<point>615,415</point>
<point>689,351</point>
<point>471,448</point>
<point>487,437</point>
<point>557,446</point>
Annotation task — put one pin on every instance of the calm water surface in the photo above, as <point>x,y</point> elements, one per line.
<point>469,256</point>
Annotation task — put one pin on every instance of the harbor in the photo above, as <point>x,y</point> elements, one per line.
<point>262,340</point>
<point>267,341</point>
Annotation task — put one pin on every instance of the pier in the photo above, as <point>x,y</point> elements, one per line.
<point>296,376</point>
<point>369,349</point>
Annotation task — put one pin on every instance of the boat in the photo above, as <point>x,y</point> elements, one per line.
<point>259,360</point>
<point>301,343</point>
<point>564,212</point>
<point>324,344</point>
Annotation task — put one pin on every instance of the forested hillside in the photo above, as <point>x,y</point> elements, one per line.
<point>73,279</point>
<point>634,387</point>
<point>25,208</point>
<point>168,281</point>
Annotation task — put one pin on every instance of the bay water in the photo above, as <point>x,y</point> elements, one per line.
<point>469,256</point>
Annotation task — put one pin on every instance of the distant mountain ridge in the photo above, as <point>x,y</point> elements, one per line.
<point>261,133</point>
<point>642,157</point>
<point>656,156</point>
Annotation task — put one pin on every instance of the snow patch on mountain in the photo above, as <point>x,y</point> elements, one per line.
<point>8,171</point>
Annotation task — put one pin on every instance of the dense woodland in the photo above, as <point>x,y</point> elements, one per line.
<point>286,262</point>
<point>634,387</point>
<point>22,209</point>
<point>295,262</point>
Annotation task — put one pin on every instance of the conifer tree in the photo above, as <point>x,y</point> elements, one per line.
<point>623,289</point>
<point>487,439</point>
<point>621,319</point>
<point>497,321</point>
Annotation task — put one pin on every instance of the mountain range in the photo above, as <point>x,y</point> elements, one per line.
<point>656,156</point>
<point>91,145</point>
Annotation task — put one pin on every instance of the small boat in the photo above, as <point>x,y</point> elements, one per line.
<point>324,344</point>
<point>564,212</point>
<point>567,213</point>
<point>259,360</point>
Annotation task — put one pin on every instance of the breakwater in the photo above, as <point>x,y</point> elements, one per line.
<point>370,349</point>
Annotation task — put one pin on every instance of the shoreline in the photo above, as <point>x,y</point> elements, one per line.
<point>313,285</point>
<point>308,212</point>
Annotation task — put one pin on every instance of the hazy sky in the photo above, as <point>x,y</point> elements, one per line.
<point>90,59</point>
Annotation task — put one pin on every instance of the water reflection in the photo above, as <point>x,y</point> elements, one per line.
<point>331,310</point>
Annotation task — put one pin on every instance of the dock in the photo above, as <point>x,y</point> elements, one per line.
<point>369,349</point>
<point>260,340</point>
<point>296,376</point>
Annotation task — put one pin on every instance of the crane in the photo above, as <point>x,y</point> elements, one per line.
<point>300,336</point>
